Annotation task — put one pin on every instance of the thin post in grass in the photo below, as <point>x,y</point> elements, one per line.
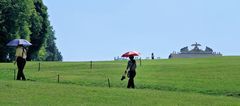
<point>39,66</point>
<point>91,64</point>
<point>14,74</point>
<point>58,78</point>
<point>109,83</point>
<point>140,61</point>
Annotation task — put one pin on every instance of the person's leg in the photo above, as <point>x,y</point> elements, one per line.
<point>132,81</point>
<point>18,75</point>
<point>23,65</point>
<point>19,65</point>
<point>133,86</point>
<point>129,80</point>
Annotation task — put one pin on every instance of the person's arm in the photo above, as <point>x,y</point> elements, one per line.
<point>125,72</point>
<point>128,66</point>
<point>127,69</point>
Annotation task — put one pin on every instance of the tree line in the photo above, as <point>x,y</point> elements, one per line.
<point>27,19</point>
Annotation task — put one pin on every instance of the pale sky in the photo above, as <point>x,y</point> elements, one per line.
<point>103,29</point>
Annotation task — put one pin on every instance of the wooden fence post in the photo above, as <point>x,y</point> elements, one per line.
<point>109,83</point>
<point>91,64</point>
<point>39,66</point>
<point>14,74</point>
<point>58,78</point>
<point>140,61</point>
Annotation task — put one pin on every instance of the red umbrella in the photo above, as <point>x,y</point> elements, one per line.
<point>131,53</point>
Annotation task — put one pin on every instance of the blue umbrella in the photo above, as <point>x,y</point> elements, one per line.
<point>17,42</point>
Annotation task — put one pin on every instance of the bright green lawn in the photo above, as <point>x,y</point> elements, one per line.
<point>38,93</point>
<point>206,81</point>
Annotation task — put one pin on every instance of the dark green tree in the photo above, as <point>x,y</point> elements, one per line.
<point>27,19</point>
<point>14,17</point>
<point>53,53</point>
<point>42,36</point>
<point>39,29</point>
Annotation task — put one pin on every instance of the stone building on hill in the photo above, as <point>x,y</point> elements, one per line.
<point>196,52</point>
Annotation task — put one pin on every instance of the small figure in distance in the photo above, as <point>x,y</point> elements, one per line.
<point>152,56</point>
<point>21,55</point>
<point>131,72</point>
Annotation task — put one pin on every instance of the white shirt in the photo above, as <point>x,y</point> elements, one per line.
<point>21,52</point>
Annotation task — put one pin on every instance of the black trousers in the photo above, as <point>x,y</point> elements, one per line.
<point>132,74</point>
<point>21,63</point>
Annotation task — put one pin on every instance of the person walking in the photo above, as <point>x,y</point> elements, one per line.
<point>131,69</point>
<point>21,55</point>
<point>152,55</point>
<point>131,72</point>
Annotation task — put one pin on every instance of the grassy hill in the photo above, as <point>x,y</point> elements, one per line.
<point>202,81</point>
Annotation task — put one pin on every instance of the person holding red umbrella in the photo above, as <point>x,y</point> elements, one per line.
<point>131,68</point>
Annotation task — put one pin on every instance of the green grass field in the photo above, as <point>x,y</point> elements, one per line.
<point>175,82</point>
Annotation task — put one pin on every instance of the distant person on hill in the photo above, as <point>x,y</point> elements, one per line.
<point>131,72</point>
<point>152,56</point>
<point>21,55</point>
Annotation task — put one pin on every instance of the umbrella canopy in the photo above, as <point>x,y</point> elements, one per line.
<point>17,42</point>
<point>131,53</point>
